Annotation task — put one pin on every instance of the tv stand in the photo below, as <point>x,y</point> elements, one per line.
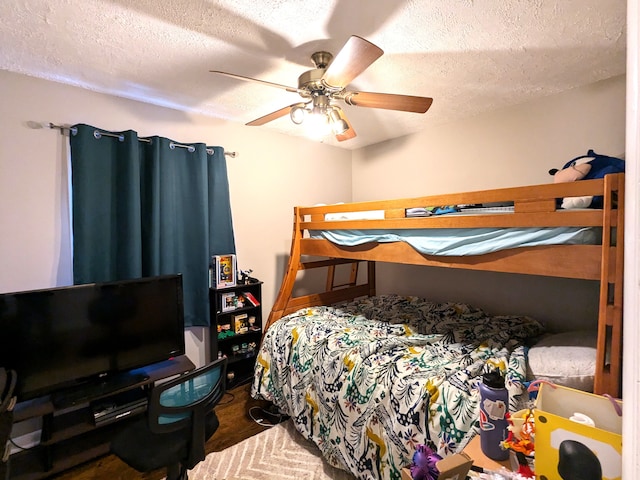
<point>124,404</point>
<point>98,388</point>
<point>73,431</point>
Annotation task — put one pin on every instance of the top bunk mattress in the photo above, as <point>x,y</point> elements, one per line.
<point>457,241</point>
<point>465,241</point>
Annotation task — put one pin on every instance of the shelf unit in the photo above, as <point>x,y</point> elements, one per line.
<point>226,338</point>
<point>70,435</point>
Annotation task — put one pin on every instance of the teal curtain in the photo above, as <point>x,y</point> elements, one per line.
<point>148,206</point>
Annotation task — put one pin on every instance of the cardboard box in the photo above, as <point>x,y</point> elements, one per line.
<point>474,451</point>
<point>555,408</point>
<point>224,270</point>
<point>453,467</point>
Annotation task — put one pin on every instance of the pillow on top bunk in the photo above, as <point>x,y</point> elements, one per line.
<point>567,359</point>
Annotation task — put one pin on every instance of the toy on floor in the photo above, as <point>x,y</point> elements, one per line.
<point>521,439</point>
<point>424,464</point>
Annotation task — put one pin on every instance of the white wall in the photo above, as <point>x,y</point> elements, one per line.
<point>515,146</point>
<point>510,147</point>
<point>505,148</point>
<point>631,336</point>
<point>271,174</point>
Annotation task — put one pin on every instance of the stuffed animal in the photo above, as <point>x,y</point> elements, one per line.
<point>586,167</point>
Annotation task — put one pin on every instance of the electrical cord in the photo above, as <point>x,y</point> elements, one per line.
<point>227,402</point>
<point>265,418</point>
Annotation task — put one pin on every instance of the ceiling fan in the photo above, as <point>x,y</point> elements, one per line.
<point>325,86</point>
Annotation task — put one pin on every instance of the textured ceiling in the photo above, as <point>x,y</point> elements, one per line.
<point>471,56</point>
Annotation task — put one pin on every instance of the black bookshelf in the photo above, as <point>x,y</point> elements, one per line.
<point>236,328</point>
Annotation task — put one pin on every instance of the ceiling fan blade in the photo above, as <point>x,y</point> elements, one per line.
<point>389,101</point>
<point>255,80</point>
<point>354,58</point>
<point>271,116</point>
<point>349,133</point>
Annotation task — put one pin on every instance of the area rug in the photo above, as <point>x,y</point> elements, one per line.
<point>279,453</point>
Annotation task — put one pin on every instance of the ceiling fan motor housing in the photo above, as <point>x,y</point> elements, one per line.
<point>321,59</point>
<point>311,80</point>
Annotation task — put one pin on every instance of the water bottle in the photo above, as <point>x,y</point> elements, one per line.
<point>494,405</point>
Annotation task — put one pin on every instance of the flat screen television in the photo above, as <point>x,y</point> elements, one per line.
<point>71,337</point>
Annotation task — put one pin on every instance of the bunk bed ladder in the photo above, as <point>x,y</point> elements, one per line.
<point>334,293</point>
<point>331,277</point>
<point>609,349</point>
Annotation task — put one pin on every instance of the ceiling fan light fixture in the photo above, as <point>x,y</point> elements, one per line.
<point>318,126</point>
<point>321,105</point>
<point>338,125</point>
<point>297,114</point>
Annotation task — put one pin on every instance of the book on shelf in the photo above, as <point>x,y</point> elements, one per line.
<point>251,298</point>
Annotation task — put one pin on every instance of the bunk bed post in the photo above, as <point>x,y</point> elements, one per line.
<point>609,343</point>
<point>371,277</point>
<point>331,277</point>
<point>293,265</point>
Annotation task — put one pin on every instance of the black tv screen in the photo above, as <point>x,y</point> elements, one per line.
<point>61,337</point>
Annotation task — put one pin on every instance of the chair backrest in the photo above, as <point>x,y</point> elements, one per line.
<point>185,401</point>
<point>8,380</point>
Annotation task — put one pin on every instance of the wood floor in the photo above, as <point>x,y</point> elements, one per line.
<point>235,425</point>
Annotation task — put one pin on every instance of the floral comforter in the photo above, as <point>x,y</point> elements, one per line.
<point>368,381</point>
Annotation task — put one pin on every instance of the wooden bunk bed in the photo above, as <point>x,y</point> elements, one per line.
<point>534,206</point>
<point>367,377</point>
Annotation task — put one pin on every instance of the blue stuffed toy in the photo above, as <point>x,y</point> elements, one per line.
<point>586,167</point>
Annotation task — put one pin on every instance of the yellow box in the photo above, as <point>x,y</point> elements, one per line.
<point>555,408</point>
<point>241,323</point>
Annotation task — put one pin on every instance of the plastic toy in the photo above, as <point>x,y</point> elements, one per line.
<point>424,464</point>
<point>521,439</point>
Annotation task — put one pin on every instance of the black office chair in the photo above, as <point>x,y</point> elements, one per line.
<point>180,419</point>
<point>8,379</point>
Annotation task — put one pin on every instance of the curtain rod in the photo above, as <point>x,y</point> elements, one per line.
<point>62,128</point>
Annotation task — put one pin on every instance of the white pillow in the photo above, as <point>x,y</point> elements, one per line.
<point>567,359</point>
